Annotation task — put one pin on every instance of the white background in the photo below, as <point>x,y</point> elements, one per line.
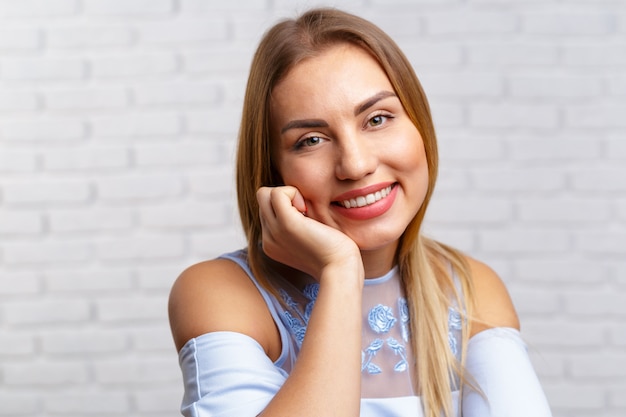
<point>118,120</point>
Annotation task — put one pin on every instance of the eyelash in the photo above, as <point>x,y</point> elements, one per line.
<point>383,115</point>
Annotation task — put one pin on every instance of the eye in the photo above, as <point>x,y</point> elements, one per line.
<point>377,120</point>
<point>309,141</point>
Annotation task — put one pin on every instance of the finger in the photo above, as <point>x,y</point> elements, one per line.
<point>283,199</point>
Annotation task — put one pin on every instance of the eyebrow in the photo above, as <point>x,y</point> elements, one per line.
<point>312,123</point>
<point>372,100</point>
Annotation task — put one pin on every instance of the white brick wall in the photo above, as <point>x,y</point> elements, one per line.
<point>117,127</point>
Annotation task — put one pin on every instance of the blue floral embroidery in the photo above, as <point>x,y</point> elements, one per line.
<point>381,318</point>
<point>298,323</point>
<point>454,319</point>
<point>400,350</point>
<point>370,352</point>
<point>403,309</point>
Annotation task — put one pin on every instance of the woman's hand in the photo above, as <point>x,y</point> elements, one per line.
<point>292,238</point>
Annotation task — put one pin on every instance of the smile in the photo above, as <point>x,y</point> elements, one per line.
<point>366,200</point>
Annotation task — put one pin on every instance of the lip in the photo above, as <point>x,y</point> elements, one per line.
<point>370,211</point>
<point>361,192</point>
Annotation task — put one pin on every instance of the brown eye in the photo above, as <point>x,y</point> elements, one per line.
<point>377,120</point>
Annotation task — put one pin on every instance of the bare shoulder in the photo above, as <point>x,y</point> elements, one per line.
<point>218,295</point>
<point>493,306</point>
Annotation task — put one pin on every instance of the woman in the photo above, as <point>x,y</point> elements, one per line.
<point>339,306</point>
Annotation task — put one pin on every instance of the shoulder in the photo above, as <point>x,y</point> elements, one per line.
<point>492,304</point>
<point>218,295</point>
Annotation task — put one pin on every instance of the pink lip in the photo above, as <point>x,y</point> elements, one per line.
<point>370,211</point>
<point>370,189</point>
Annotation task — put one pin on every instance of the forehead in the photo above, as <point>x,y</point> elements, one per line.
<point>342,74</point>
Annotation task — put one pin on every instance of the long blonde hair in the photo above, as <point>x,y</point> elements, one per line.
<point>425,265</point>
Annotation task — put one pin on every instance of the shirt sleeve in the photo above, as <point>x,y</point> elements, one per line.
<point>498,362</point>
<point>227,374</point>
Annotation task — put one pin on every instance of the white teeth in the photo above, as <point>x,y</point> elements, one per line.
<point>363,201</point>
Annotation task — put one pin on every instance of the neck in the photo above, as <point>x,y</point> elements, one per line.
<point>378,262</point>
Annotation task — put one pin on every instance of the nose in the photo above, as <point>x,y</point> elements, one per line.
<point>356,158</point>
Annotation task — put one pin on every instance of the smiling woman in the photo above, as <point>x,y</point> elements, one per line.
<point>347,310</point>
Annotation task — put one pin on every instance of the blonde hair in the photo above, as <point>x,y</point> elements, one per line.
<point>425,265</point>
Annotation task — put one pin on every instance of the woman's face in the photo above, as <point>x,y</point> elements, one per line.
<point>341,136</point>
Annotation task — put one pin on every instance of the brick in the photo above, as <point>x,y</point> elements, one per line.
<point>152,400</point>
<point>470,84</point>
<point>607,179</point>
<point>596,115</point>
<point>45,374</point>
<point>87,99</point>
<point>535,302</point>
<point>462,239</point>
<point>513,115</point>
<point>184,154</point>
<point>46,252</point>
<point>16,343</point>
<point>575,396</point>
<point>47,191</point>
<point>85,280</point>
<point>512,54</point>
<point>616,84</point>
<point>149,125</point>
<point>547,365</point>
<point>617,334</point>
<point>470,148</point>
<point>589,303</point>
<point>547,333</point>
<point>555,86</point>
<point>46,311</point>
<point>86,158</point>
<point>144,187</point>
<point>140,248</point>
<point>429,54</point>
<point>223,60</point>
<point>447,114</point>
<point>125,309</point>
<point>568,23</point>
<point>226,130</point>
<point>16,403</point>
<point>217,242</point>
<point>564,210</point>
<point>17,161</point>
<point>208,6</point>
<point>615,148</point>
<point>602,243</point>
<point>184,215</point>
<point>20,223</point>
<point>593,54</point>
<point>88,403</point>
<point>560,270</point>
<point>42,69</point>
<point>14,101</point>
<point>554,149</point>
<point>470,22</point>
<point>158,277</point>
<point>92,220</point>
<point>524,241</point>
<point>16,282</point>
<point>185,30</point>
<point>38,8</point>
<point>128,7</point>
<point>88,36</point>
<point>145,369</point>
<point>19,39</point>
<point>399,24</point>
<point>160,94</point>
<point>218,181</point>
<point>508,179</point>
<point>470,211</point>
<point>594,365</point>
<point>452,181</point>
<point>153,338</point>
<point>81,341</point>
<point>52,130</point>
<point>616,396</point>
<point>135,65</point>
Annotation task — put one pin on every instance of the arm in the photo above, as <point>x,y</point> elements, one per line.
<point>217,296</point>
<point>497,359</point>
